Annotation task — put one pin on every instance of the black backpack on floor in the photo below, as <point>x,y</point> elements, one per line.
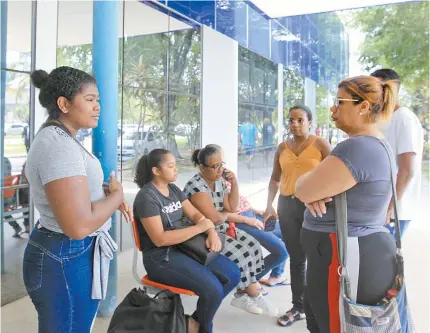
<point>140,313</point>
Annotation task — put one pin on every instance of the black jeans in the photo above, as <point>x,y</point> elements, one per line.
<point>371,268</point>
<point>291,211</point>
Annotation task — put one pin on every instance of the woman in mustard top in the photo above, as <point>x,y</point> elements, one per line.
<point>293,158</point>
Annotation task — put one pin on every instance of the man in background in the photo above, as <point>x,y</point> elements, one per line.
<point>248,133</point>
<point>268,135</point>
<point>405,136</point>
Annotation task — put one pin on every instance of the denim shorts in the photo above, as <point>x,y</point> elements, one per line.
<point>57,273</point>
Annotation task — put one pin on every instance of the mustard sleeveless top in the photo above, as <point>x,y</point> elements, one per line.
<point>294,166</point>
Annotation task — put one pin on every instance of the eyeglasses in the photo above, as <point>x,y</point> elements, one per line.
<point>337,100</point>
<point>217,166</point>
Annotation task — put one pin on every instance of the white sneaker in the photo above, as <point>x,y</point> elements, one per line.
<point>268,309</point>
<point>246,303</point>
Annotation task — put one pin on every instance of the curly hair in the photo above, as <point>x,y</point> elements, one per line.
<point>61,82</point>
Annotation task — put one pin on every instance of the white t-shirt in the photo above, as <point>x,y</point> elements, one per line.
<point>405,134</point>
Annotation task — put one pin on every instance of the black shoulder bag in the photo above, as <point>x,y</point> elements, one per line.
<point>195,247</point>
<point>140,313</point>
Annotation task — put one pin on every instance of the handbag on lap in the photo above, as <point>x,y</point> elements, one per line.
<point>195,247</point>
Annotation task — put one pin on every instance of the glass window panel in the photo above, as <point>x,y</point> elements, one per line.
<point>231,19</point>
<point>259,32</point>
<point>294,90</point>
<point>258,85</point>
<point>183,135</point>
<point>279,46</point>
<point>294,55</point>
<point>185,62</point>
<point>15,215</point>
<point>18,40</point>
<point>244,81</point>
<point>272,84</point>
<point>161,91</point>
<point>75,34</point>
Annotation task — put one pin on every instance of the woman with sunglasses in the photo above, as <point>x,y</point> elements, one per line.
<point>360,166</point>
<point>209,194</point>
<point>293,158</point>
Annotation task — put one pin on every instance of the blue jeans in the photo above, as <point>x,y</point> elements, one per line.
<point>403,226</point>
<point>272,242</point>
<point>57,273</point>
<point>211,283</point>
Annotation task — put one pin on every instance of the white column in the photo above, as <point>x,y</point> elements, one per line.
<point>46,47</point>
<point>280,103</point>
<point>311,99</point>
<point>219,121</point>
<point>46,54</point>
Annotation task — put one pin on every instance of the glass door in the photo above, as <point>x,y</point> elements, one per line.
<point>16,36</point>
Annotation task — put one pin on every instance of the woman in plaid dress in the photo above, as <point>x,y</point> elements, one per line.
<point>210,196</point>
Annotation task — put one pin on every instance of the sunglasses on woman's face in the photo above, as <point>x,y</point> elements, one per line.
<point>337,101</point>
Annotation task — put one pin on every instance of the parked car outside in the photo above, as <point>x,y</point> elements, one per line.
<point>15,129</point>
<point>135,144</point>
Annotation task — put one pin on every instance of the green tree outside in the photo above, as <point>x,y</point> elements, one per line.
<point>397,37</point>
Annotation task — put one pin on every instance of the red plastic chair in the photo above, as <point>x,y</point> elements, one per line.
<point>145,280</point>
<point>10,181</point>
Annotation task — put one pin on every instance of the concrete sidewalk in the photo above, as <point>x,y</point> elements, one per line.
<point>20,316</point>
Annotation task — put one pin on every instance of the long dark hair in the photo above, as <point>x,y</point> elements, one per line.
<point>144,167</point>
<point>201,156</point>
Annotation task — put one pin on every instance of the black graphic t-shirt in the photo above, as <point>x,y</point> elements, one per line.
<point>150,202</point>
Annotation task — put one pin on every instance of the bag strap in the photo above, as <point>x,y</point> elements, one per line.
<point>393,189</point>
<point>159,201</point>
<point>65,130</point>
<point>341,218</point>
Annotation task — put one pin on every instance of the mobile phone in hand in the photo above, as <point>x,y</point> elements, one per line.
<point>270,224</point>
<point>225,174</point>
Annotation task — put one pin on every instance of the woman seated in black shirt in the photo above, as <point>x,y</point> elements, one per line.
<point>159,206</point>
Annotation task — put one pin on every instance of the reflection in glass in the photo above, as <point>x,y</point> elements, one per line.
<point>74,34</point>
<point>185,62</point>
<point>161,68</point>
<point>184,127</point>
<point>294,93</point>
<point>15,224</point>
<point>257,131</point>
<point>142,129</point>
<point>145,65</point>
<point>18,52</point>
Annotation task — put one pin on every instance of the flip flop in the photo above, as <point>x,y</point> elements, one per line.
<point>263,291</point>
<point>283,283</point>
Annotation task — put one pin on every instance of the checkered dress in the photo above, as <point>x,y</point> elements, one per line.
<point>245,251</point>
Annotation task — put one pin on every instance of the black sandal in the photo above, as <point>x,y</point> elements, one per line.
<point>290,317</point>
